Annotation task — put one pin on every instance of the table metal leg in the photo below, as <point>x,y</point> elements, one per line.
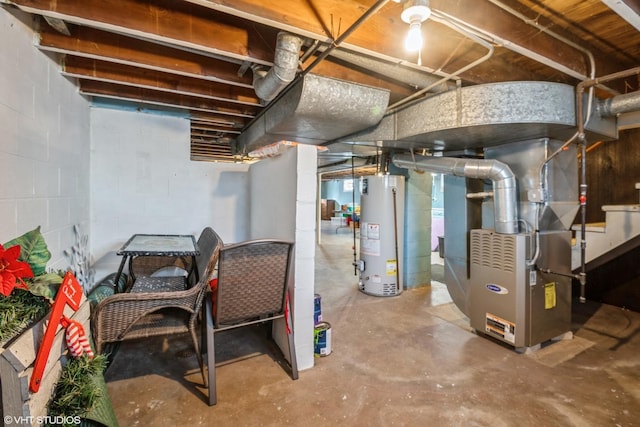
<point>118,274</point>
<point>195,269</point>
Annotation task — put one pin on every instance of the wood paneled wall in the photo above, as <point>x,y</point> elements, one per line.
<point>613,169</point>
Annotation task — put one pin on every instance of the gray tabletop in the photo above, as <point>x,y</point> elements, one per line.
<point>160,244</point>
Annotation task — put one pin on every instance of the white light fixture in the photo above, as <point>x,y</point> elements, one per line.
<point>415,12</point>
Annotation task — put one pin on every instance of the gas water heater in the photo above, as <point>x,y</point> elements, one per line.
<point>381,235</point>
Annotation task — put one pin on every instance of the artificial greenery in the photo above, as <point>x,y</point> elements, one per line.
<point>27,290</point>
<point>19,311</point>
<point>78,388</point>
<point>34,251</point>
<point>26,293</point>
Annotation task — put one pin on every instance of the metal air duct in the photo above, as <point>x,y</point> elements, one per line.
<point>503,180</point>
<point>315,110</point>
<point>627,103</point>
<point>483,116</point>
<point>268,84</point>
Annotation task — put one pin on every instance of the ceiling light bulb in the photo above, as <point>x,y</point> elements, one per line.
<point>413,42</point>
<point>415,12</point>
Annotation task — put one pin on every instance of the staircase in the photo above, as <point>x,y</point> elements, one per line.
<point>619,233</point>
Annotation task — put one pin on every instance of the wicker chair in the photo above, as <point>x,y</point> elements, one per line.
<point>251,287</point>
<point>147,266</point>
<point>164,311</point>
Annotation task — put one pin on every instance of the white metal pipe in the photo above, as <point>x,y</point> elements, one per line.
<point>534,23</point>
<point>480,195</point>
<point>501,176</point>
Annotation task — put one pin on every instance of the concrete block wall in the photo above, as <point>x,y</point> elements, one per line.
<point>115,173</point>
<point>44,147</point>
<point>306,196</point>
<point>283,205</point>
<point>143,181</point>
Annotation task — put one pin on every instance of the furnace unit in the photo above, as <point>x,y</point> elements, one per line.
<point>507,240</point>
<point>512,300</point>
<point>381,235</point>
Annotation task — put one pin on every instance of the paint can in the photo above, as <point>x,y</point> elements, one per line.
<point>322,339</point>
<point>317,309</point>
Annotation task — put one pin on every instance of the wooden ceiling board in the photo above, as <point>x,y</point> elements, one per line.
<point>196,55</point>
<point>160,21</point>
<point>117,73</point>
<point>138,94</point>
<point>98,44</point>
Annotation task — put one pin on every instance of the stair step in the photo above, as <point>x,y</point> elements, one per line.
<point>621,208</point>
<point>595,227</point>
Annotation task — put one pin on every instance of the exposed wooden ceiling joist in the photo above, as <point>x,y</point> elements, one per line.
<point>196,56</point>
<point>96,44</point>
<point>174,23</point>
<point>383,33</point>
<point>153,97</point>
<point>109,72</point>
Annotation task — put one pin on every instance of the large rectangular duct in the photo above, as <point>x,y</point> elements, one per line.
<point>316,110</point>
<point>488,115</point>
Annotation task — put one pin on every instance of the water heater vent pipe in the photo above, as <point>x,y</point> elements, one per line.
<point>501,176</point>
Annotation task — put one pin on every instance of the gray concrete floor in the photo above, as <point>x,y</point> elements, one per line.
<point>410,360</point>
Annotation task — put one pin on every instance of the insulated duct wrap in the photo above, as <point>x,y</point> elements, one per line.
<point>501,176</point>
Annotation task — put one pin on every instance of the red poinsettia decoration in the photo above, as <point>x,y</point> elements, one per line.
<point>12,271</point>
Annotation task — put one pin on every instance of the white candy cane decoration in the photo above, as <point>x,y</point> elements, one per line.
<point>77,340</point>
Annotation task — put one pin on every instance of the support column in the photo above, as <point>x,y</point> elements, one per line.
<point>417,233</point>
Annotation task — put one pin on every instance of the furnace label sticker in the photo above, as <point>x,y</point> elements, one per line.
<point>500,328</point>
<point>549,295</point>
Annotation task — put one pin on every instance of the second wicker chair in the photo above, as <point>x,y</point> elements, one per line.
<point>252,287</point>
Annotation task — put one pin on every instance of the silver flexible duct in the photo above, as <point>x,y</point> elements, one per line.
<point>501,176</point>
<point>268,84</point>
